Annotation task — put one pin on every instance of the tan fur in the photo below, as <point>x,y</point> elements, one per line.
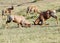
<point>32,8</point>
<point>7,10</point>
<point>20,20</point>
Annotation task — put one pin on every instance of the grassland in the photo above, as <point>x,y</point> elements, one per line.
<point>33,34</point>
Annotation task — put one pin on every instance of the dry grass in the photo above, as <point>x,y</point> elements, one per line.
<point>34,34</point>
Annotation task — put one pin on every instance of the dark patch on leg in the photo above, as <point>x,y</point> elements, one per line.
<point>8,21</point>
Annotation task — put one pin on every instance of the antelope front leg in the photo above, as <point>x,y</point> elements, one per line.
<point>43,22</point>
<point>18,25</point>
<point>57,20</point>
<point>54,16</point>
<point>6,25</point>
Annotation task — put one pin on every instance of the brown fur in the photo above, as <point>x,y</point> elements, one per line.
<point>7,10</point>
<point>44,16</point>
